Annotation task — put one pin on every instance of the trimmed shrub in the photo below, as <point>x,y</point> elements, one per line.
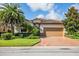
<point>6,36</point>
<point>13,37</point>
<point>22,35</point>
<point>76,34</point>
<point>36,31</point>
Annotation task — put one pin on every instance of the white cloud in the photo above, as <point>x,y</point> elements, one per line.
<point>53,15</point>
<point>40,16</point>
<point>49,7</point>
<point>40,6</point>
<point>1,4</point>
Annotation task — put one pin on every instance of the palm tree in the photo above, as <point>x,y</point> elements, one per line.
<point>11,14</point>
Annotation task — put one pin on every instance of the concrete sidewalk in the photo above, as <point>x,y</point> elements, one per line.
<point>40,51</point>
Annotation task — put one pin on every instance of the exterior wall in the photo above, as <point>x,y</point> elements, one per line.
<point>37,21</point>
<point>51,25</point>
<point>3,28</point>
<point>42,26</point>
<point>51,29</point>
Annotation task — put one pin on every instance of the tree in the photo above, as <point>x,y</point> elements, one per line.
<point>30,28</point>
<point>36,31</point>
<point>11,14</point>
<point>27,27</point>
<point>71,22</point>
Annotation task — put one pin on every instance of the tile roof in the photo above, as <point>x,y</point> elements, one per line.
<point>40,20</point>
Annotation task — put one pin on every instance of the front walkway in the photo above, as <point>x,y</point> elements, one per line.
<point>58,41</point>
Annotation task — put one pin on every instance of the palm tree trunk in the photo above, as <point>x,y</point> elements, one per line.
<point>12,28</point>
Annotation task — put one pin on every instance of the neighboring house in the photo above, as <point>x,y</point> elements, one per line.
<point>17,28</point>
<point>49,27</point>
<point>4,28</point>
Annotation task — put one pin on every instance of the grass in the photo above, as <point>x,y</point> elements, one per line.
<point>19,42</point>
<point>74,36</point>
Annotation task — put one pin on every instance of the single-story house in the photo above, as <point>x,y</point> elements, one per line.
<point>49,27</point>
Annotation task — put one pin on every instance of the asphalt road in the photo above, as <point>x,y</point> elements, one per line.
<point>40,51</point>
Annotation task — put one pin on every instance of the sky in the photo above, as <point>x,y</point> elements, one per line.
<point>46,10</point>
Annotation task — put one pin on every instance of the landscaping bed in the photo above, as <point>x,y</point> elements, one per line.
<point>73,36</point>
<point>19,42</point>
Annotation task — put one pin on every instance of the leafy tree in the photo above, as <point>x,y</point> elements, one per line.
<point>11,14</point>
<point>71,22</point>
<point>30,28</point>
<point>27,27</point>
<point>36,31</point>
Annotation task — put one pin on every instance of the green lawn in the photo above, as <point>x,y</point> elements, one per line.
<point>19,42</point>
<point>74,36</point>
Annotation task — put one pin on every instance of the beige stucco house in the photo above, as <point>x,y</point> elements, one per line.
<point>49,27</point>
<point>4,28</point>
<point>17,28</point>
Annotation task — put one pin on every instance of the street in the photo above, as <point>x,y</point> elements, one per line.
<point>40,51</point>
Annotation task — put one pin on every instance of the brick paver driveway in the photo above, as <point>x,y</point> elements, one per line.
<point>58,41</point>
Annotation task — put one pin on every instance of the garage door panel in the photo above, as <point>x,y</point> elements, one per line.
<point>54,32</point>
<point>54,29</point>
